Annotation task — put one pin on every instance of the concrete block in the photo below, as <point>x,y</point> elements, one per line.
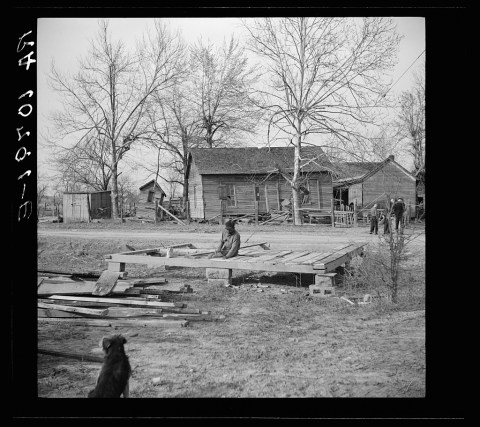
<point>325,279</point>
<point>220,282</point>
<point>219,273</point>
<point>116,266</point>
<point>321,291</point>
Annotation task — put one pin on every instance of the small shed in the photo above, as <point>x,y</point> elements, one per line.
<point>84,206</point>
<point>242,176</point>
<point>150,193</point>
<point>367,183</point>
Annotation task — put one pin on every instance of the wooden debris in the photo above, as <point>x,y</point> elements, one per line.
<point>106,282</point>
<point>126,301</point>
<point>47,312</point>
<point>64,286</point>
<point>135,323</point>
<point>347,300</point>
<point>90,274</point>
<point>78,356</point>
<point>77,310</point>
<point>133,312</point>
<point>147,282</point>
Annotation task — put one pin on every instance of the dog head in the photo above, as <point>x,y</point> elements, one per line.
<point>112,341</point>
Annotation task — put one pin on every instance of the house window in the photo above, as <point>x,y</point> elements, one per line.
<point>151,194</point>
<point>231,196</point>
<point>194,196</point>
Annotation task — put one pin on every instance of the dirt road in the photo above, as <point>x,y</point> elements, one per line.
<point>305,237</point>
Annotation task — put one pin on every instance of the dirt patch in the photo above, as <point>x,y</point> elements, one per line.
<point>275,341</point>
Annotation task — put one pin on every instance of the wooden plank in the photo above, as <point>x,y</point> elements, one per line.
<point>299,260</point>
<point>47,312</point>
<point>77,310</point>
<point>248,251</point>
<point>318,257</point>
<point>147,282</point>
<point>296,255</point>
<point>255,253</point>
<point>133,312</point>
<point>277,254</point>
<point>119,306</point>
<point>114,322</point>
<point>125,301</point>
<point>74,303</point>
<point>307,258</point>
<point>173,216</point>
<point>75,288</point>
<point>106,282</point>
<point>78,356</point>
<point>213,250</point>
<point>232,263</point>
<point>338,259</point>
<point>342,246</point>
<point>47,288</point>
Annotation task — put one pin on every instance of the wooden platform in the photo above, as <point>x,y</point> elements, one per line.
<point>256,257</point>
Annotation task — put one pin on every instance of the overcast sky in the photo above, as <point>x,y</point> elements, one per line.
<point>65,40</point>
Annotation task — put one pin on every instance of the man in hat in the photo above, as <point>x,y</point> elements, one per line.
<point>229,243</point>
<point>398,210</point>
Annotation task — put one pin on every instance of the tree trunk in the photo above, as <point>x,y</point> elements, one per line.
<point>297,216</point>
<point>185,198</point>
<point>115,210</point>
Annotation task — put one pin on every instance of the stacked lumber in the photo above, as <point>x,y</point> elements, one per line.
<point>112,302</point>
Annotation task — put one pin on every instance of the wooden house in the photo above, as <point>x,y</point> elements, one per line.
<point>84,206</point>
<point>240,176</point>
<point>150,193</point>
<point>367,183</point>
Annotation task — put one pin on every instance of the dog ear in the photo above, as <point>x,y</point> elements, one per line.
<point>124,340</point>
<point>106,343</point>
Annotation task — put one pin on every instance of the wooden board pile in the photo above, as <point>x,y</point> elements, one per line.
<point>113,302</point>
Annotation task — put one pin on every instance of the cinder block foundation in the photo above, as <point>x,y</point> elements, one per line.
<point>321,291</point>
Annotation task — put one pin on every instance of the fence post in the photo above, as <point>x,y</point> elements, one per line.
<point>333,213</point>
<point>355,213</point>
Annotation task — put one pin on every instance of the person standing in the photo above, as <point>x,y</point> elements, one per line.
<point>229,242</point>
<point>374,219</point>
<point>398,209</point>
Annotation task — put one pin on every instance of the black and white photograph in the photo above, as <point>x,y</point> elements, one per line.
<point>226,206</point>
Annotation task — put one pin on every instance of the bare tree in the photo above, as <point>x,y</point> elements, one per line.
<point>411,122</point>
<point>42,187</point>
<point>220,84</point>
<point>86,164</point>
<point>174,130</point>
<point>324,76</point>
<point>107,98</point>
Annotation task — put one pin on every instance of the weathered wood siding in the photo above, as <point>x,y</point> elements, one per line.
<point>195,194</point>
<point>76,207</point>
<point>272,192</point>
<point>393,181</point>
<point>355,193</point>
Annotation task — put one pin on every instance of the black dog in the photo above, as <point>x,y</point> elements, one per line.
<point>116,371</point>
